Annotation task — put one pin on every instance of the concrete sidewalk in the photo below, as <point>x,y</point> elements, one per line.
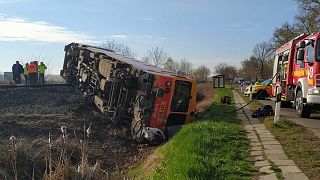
<point>267,152</point>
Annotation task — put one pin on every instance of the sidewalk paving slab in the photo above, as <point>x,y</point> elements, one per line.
<point>272,147</point>
<point>259,158</point>
<point>256,153</point>
<point>274,151</point>
<point>273,157</point>
<point>284,163</point>
<point>290,169</point>
<point>262,163</point>
<point>255,144</point>
<point>256,148</point>
<point>295,176</point>
<point>266,169</point>
<point>268,177</point>
<point>271,143</point>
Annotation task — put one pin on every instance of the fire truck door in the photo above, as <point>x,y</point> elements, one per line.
<point>299,66</point>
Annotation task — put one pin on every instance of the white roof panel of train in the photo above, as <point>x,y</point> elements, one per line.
<point>135,63</point>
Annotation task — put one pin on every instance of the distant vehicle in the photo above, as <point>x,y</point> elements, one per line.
<point>247,82</point>
<point>297,66</point>
<point>240,80</point>
<point>263,89</point>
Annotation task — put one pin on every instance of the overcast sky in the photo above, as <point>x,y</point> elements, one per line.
<point>202,31</point>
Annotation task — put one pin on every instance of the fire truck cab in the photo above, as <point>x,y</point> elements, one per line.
<point>297,71</point>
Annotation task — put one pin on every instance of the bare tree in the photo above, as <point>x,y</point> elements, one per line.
<point>186,67</point>
<point>118,47</point>
<point>307,21</point>
<point>225,69</point>
<point>309,5</point>
<point>284,34</point>
<point>146,59</point>
<point>201,74</point>
<point>263,52</point>
<point>249,69</point>
<point>157,56</point>
<point>170,64</point>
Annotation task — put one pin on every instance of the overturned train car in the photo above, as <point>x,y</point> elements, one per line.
<point>130,92</point>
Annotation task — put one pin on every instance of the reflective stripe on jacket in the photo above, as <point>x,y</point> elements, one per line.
<point>42,68</point>
<point>32,68</point>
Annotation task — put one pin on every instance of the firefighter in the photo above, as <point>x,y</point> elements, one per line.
<point>26,74</point>
<point>33,73</point>
<point>17,70</point>
<point>41,69</point>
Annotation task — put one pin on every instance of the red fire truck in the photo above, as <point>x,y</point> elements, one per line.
<point>297,65</point>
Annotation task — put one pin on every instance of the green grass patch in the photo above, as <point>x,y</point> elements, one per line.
<point>214,147</point>
<point>299,144</point>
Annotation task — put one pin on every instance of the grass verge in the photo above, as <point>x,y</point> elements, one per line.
<point>299,144</point>
<point>214,147</point>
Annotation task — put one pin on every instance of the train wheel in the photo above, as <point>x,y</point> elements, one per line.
<point>136,130</point>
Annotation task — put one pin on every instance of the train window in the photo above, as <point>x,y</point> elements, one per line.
<point>181,96</point>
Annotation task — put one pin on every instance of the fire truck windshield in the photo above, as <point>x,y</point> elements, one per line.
<point>181,96</point>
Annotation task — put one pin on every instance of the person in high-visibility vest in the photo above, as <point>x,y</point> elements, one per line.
<point>26,74</point>
<point>41,69</point>
<point>33,73</point>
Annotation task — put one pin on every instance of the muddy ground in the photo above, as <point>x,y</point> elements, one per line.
<point>30,114</point>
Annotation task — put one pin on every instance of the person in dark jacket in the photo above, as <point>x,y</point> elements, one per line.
<point>17,70</point>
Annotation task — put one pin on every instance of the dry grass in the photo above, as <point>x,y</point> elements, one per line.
<point>61,159</point>
<point>204,96</point>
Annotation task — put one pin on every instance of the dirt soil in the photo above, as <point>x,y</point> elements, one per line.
<point>30,114</point>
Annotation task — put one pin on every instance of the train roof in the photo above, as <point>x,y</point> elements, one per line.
<point>129,60</point>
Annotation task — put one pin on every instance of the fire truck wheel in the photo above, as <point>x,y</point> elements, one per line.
<point>302,109</point>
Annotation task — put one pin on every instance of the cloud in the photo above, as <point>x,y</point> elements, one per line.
<point>119,36</point>
<point>154,38</point>
<point>18,29</point>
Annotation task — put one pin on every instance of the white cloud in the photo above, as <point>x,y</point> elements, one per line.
<point>119,36</point>
<point>18,29</point>
<point>148,37</point>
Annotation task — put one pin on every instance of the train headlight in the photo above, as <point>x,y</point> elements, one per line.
<point>168,83</point>
<point>314,91</point>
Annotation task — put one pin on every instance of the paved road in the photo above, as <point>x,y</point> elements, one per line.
<point>312,123</point>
